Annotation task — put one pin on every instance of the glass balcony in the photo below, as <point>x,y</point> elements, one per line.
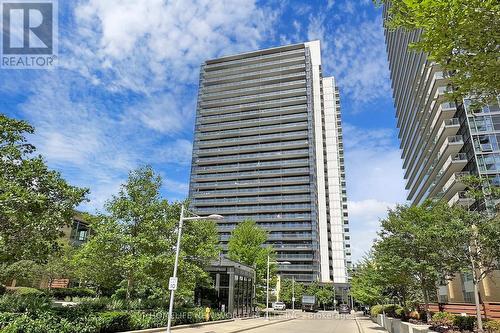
<point>294,267</point>
<point>294,256</point>
<point>247,106</point>
<point>256,67</point>
<point>252,138</point>
<point>253,90</point>
<point>299,235</point>
<point>252,183</point>
<point>260,82</point>
<point>254,122</point>
<point>299,277</point>
<point>210,67</point>
<point>275,172</point>
<point>263,112</point>
<point>293,246</point>
<point>258,147</point>
<point>254,208</point>
<point>242,76</point>
<point>243,99</point>
<point>276,154</point>
<point>263,199</point>
<point>253,165</point>
<point>265,128</point>
<point>267,217</point>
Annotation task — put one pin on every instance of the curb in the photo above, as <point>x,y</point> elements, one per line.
<point>163,329</point>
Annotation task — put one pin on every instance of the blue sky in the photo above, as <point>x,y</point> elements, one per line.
<point>124,93</point>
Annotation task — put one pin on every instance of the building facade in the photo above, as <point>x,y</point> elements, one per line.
<point>440,141</point>
<point>268,147</point>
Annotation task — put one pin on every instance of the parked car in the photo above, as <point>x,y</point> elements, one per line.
<point>280,306</point>
<point>344,308</point>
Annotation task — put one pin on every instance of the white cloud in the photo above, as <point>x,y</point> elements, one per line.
<point>354,52</point>
<point>365,216</point>
<point>125,94</point>
<point>176,187</point>
<point>147,45</point>
<point>374,181</point>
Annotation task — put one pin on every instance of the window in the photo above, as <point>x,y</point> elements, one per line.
<point>469,297</point>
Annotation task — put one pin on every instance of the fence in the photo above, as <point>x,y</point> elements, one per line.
<point>489,310</point>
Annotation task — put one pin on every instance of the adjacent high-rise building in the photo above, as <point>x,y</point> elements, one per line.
<point>441,141</point>
<point>268,147</point>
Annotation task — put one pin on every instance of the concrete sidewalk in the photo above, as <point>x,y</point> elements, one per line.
<point>365,325</point>
<point>232,326</point>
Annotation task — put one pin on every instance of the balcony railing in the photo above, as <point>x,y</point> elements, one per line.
<point>286,198</point>
<point>263,112</point>
<point>276,154</point>
<point>255,208</point>
<point>243,106</point>
<point>256,58</point>
<point>282,127</point>
<point>243,99</point>
<point>256,191</point>
<point>242,91</point>
<point>242,76</point>
<point>259,147</point>
<point>254,122</point>
<point>260,81</point>
<point>253,183</point>
<point>234,70</point>
<point>252,165</point>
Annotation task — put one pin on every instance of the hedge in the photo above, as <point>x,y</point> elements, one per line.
<point>391,310</point>
<point>62,293</point>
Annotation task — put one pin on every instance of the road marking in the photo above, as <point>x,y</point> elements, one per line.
<point>360,329</point>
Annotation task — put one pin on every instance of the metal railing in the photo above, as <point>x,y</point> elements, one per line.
<point>260,182</point>
<point>252,155</point>
<point>253,129</point>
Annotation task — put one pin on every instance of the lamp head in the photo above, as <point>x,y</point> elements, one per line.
<point>215,217</point>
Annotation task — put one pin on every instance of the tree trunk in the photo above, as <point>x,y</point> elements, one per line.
<point>426,302</point>
<point>478,306</point>
<point>129,286</point>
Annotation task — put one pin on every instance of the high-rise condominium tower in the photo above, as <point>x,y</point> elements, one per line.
<point>268,147</point>
<point>441,141</point>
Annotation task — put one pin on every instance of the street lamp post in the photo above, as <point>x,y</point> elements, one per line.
<point>176,263</point>
<point>293,294</point>
<point>267,281</point>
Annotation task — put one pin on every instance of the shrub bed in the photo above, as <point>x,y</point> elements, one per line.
<point>63,293</point>
<point>492,326</point>
<point>35,313</point>
<point>391,310</point>
<point>447,322</point>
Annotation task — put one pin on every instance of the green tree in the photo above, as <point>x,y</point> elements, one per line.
<point>96,263</point>
<point>134,243</point>
<point>461,35</point>
<point>35,202</point>
<point>325,295</point>
<point>480,248</point>
<point>247,245</point>
<point>287,290</point>
<point>26,273</point>
<point>423,240</point>
<point>59,263</point>
<point>366,283</point>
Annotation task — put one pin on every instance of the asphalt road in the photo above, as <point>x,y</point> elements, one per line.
<point>320,322</point>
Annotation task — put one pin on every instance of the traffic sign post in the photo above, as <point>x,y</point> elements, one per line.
<point>172,283</point>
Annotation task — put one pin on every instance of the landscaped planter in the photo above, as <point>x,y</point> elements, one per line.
<point>393,325</point>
